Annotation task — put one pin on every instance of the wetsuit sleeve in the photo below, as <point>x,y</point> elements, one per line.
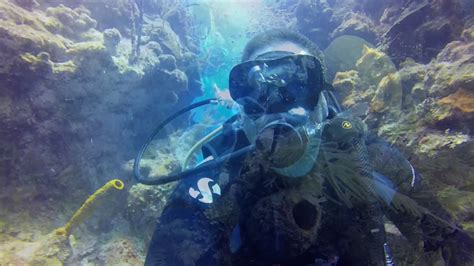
<point>434,226</point>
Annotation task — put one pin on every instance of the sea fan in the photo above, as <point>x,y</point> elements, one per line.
<point>348,172</point>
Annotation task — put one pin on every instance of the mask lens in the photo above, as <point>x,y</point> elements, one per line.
<point>278,84</point>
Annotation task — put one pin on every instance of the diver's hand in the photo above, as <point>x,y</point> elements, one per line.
<point>458,249</point>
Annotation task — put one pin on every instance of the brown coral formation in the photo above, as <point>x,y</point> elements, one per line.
<point>462,99</point>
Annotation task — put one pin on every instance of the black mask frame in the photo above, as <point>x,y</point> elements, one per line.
<point>277,84</point>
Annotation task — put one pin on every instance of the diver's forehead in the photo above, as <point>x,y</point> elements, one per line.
<point>286,46</point>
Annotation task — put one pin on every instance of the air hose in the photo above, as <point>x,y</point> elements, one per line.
<point>177,176</point>
<point>199,144</point>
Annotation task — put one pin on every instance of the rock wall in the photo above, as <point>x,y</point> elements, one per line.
<point>423,101</point>
<point>74,110</point>
<point>415,74</point>
<point>418,29</point>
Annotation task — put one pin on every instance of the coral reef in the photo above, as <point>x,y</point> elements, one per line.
<point>48,250</point>
<point>427,111</point>
<point>388,95</point>
<point>71,22</point>
<point>316,20</point>
<point>437,85</point>
<point>161,32</point>
<point>73,108</point>
<point>22,30</point>
<point>145,203</point>
<point>144,207</point>
<point>420,29</point>
<point>357,25</point>
<point>461,99</point>
<point>120,251</point>
<point>374,65</point>
<point>115,14</point>
<point>27,4</point>
<point>347,83</point>
<point>112,38</point>
<point>342,54</point>
<point>374,80</point>
<point>68,97</point>
<point>423,102</point>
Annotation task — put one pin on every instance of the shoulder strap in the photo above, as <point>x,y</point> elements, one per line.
<point>333,104</point>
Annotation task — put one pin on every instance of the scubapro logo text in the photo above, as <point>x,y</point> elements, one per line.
<point>205,191</point>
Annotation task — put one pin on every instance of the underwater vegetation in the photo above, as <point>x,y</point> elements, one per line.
<point>82,83</point>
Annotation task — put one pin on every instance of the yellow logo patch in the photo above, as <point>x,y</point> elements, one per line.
<point>346,124</point>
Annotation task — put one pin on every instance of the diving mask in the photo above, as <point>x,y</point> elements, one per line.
<point>276,83</point>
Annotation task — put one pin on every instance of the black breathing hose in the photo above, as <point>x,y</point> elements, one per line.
<point>136,164</point>
<point>173,177</point>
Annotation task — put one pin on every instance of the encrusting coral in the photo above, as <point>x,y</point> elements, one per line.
<point>346,84</point>
<point>374,65</point>
<point>374,79</point>
<point>31,31</point>
<point>388,96</point>
<point>462,99</point>
<point>86,49</point>
<point>42,64</point>
<point>72,21</point>
<point>358,25</point>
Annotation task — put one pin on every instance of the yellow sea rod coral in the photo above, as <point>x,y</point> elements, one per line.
<point>88,206</point>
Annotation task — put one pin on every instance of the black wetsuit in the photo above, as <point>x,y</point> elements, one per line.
<point>246,214</point>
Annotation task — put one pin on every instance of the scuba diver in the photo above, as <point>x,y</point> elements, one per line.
<point>293,179</point>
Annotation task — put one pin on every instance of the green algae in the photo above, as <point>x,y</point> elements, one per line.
<point>459,202</point>
<point>39,63</point>
<point>42,63</point>
<point>30,29</point>
<point>388,96</point>
<point>65,67</point>
<point>374,65</point>
<point>86,48</point>
<point>373,78</point>
<point>73,21</point>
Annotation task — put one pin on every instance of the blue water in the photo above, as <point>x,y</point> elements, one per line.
<point>223,28</point>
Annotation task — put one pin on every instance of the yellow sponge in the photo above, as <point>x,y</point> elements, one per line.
<point>88,206</point>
